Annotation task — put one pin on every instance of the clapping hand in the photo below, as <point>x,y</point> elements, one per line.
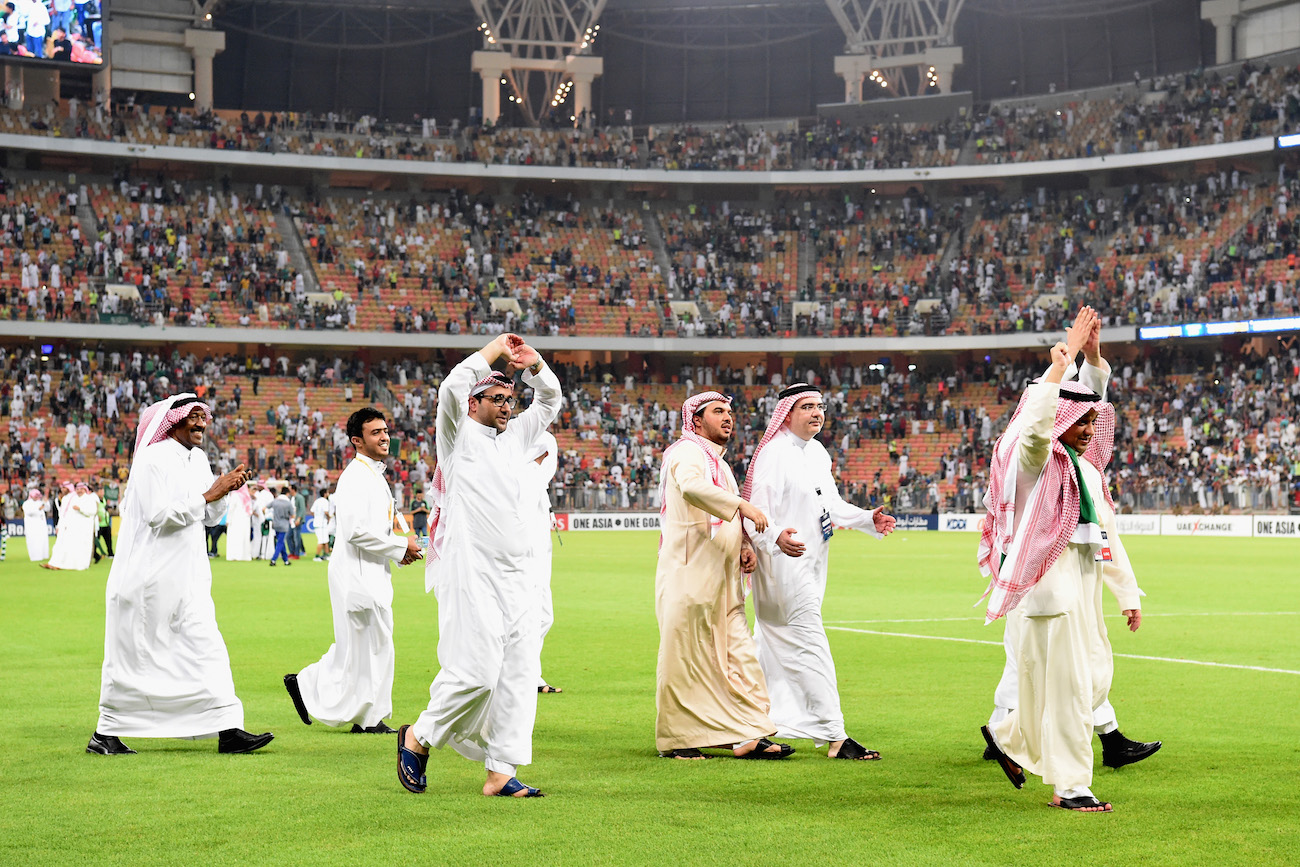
<point>1078,335</point>
<point>223,485</point>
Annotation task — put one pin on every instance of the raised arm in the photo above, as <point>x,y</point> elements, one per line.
<point>453,394</point>
<point>1095,372</point>
<point>873,522</point>
<point>547,396</point>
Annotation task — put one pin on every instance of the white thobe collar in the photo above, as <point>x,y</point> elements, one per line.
<point>481,429</point>
<point>378,466</point>
<point>795,440</point>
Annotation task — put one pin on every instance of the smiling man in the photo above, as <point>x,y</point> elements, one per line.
<point>1117,574</point>
<point>709,688</point>
<point>483,701</point>
<point>790,480</point>
<point>1048,539</point>
<point>353,682</point>
<point>166,671</point>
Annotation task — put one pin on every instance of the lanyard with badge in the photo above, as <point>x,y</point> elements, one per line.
<point>1103,553</point>
<point>825,519</point>
<point>392,504</point>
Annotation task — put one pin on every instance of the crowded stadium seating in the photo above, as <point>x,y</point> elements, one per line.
<point>1219,433</point>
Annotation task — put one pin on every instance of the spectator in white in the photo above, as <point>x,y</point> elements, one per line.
<point>484,699</point>
<point>239,524</point>
<point>166,669</point>
<point>320,515</point>
<point>790,481</point>
<point>36,529</point>
<point>37,18</point>
<point>263,540</point>
<point>353,681</point>
<point>75,543</point>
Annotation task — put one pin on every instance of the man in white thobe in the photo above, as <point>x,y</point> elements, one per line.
<point>353,682</point>
<point>790,480</point>
<point>166,670</point>
<point>484,698</point>
<point>75,544</point>
<point>263,538</point>
<point>538,470</point>
<point>1116,750</point>
<point>36,529</point>
<point>320,512</point>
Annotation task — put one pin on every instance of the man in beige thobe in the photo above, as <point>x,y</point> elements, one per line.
<point>709,691</point>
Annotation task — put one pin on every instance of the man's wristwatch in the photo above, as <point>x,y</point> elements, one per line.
<point>535,369</point>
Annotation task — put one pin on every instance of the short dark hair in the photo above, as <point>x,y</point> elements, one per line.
<point>357,421</point>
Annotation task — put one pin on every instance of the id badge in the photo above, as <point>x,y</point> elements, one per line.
<point>825,521</point>
<point>1103,554</point>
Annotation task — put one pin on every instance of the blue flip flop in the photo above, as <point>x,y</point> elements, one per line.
<point>513,785</point>
<point>410,765</point>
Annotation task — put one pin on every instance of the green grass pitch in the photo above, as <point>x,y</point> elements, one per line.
<point>1222,791</point>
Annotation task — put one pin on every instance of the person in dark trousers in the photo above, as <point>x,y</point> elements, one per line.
<point>281,525</point>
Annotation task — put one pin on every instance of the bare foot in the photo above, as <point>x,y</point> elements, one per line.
<point>496,782</point>
<point>413,744</point>
<point>746,749</point>
<point>1082,805</point>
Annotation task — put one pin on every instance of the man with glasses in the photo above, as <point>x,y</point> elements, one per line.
<point>790,480</point>
<point>483,701</point>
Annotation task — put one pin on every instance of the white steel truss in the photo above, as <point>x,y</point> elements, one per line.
<point>534,32</point>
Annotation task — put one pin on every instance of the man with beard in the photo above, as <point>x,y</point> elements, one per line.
<point>709,690</point>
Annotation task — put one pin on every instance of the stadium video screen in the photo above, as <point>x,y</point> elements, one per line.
<point>62,31</point>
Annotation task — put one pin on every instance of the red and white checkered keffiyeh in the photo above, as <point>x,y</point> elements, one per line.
<point>689,409</point>
<point>1052,513</point>
<point>783,407</point>
<point>158,419</point>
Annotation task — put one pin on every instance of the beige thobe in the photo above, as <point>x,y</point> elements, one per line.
<point>1063,651</point>
<point>709,687</point>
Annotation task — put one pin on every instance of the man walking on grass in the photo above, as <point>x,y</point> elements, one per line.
<point>790,480</point>
<point>709,689</point>
<point>352,684</point>
<point>1048,536</point>
<point>166,671</point>
<point>483,701</point>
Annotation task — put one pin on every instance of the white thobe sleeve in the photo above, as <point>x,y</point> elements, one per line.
<point>366,510</point>
<point>843,513</point>
<point>453,400</point>
<point>1118,573</point>
<point>1034,445</point>
<point>160,511</point>
<point>765,493</point>
<point>546,405</point>
<point>1095,377</point>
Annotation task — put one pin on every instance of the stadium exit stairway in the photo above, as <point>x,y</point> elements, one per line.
<point>292,240</point>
